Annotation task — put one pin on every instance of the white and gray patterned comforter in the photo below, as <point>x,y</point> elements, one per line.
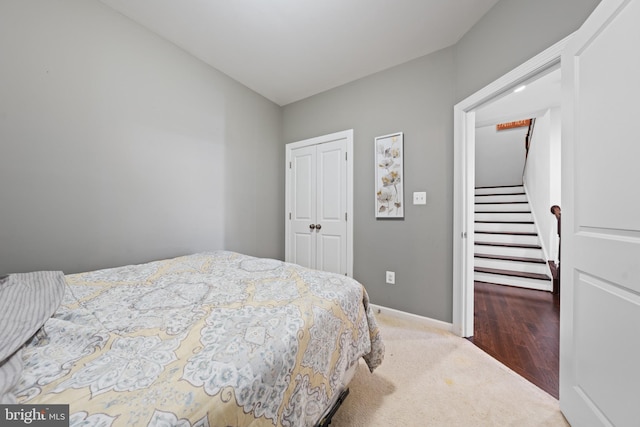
<point>211,339</point>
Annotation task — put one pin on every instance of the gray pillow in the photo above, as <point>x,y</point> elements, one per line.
<point>27,300</point>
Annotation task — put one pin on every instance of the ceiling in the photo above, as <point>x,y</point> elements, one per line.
<point>543,91</point>
<point>287,50</point>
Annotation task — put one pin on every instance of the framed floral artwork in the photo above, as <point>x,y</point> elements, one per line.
<point>389,176</point>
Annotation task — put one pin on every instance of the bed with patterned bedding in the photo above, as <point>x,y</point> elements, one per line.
<point>210,339</point>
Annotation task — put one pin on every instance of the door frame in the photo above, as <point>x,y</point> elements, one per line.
<point>464,178</point>
<point>347,135</point>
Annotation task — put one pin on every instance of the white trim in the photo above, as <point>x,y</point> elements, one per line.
<point>512,117</point>
<point>536,65</point>
<point>464,179</point>
<point>545,253</point>
<point>350,214</point>
<point>348,136</point>
<point>463,221</point>
<point>426,321</point>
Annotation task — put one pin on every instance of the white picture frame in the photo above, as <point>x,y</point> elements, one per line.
<point>389,176</point>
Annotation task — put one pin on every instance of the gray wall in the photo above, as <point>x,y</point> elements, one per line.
<point>500,156</point>
<point>417,98</point>
<point>117,147</point>
<point>510,33</point>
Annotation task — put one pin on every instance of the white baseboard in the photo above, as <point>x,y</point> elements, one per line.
<point>427,321</point>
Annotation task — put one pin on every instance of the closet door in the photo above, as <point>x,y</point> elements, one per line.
<point>318,208</point>
<point>331,201</point>
<point>302,236</point>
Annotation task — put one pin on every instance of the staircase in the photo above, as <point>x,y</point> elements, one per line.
<point>507,247</point>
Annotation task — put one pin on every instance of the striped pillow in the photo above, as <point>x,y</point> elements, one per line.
<point>27,300</point>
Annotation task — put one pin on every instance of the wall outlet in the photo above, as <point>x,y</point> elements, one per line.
<point>391,277</point>
<point>419,198</point>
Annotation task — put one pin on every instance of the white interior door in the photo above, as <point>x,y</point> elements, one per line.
<point>319,206</point>
<point>303,206</point>
<point>331,213</point>
<point>600,295</point>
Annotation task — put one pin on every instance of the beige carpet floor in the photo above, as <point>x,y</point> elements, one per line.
<point>433,378</point>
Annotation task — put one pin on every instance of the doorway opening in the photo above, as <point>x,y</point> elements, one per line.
<point>484,108</point>
<point>464,178</point>
<point>517,180</point>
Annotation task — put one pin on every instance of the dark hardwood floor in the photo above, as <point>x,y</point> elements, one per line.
<point>520,328</point>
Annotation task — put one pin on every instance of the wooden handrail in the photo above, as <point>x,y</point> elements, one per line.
<point>557,212</point>
<point>527,144</point>
<point>527,139</point>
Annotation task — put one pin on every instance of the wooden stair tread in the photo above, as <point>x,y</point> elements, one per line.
<point>508,233</point>
<point>501,194</point>
<point>503,222</point>
<point>501,203</point>
<point>536,276</point>
<point>508,245</point>
<point>511,258</point>
<point>518,193</point>
<point>504,212</point>
<point>500,186</point>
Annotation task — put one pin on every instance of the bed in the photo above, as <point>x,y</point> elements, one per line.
<point>209,339</point>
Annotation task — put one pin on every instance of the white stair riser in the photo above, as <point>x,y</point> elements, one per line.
<point>499,190</point>
<point>496,226</point>
<point>514,252</point>
<point>506,238</point>
<point>527,267</point>
<point>503,217</point>
<point>542,285</point>
<point>501,198</point>
<point>507,207</point>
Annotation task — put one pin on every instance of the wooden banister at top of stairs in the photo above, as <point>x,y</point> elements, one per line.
<point>527,139</point>
<point>527,144</point>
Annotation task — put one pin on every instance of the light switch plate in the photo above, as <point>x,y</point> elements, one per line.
<point>419,198</point>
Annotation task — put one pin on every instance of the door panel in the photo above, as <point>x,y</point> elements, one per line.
<point>603,364</point>
<point>600,295</point>
<point>303,206</point>
<point>330,253</point>
<point>330,191</point>
<point>607,131</point>
<point>332,202</point>
<point>318,201</point>
<point>304,249</point>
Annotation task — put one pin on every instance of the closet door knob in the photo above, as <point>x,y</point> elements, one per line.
<point>318,226</point>
<point>312,226</point>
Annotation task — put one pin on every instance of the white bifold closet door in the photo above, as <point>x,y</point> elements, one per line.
<point>317,206</point>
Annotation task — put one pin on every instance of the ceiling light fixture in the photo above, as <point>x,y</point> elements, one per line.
<point>519,89</point>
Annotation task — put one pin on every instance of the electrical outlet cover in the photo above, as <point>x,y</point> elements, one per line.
<point>391,277</point>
